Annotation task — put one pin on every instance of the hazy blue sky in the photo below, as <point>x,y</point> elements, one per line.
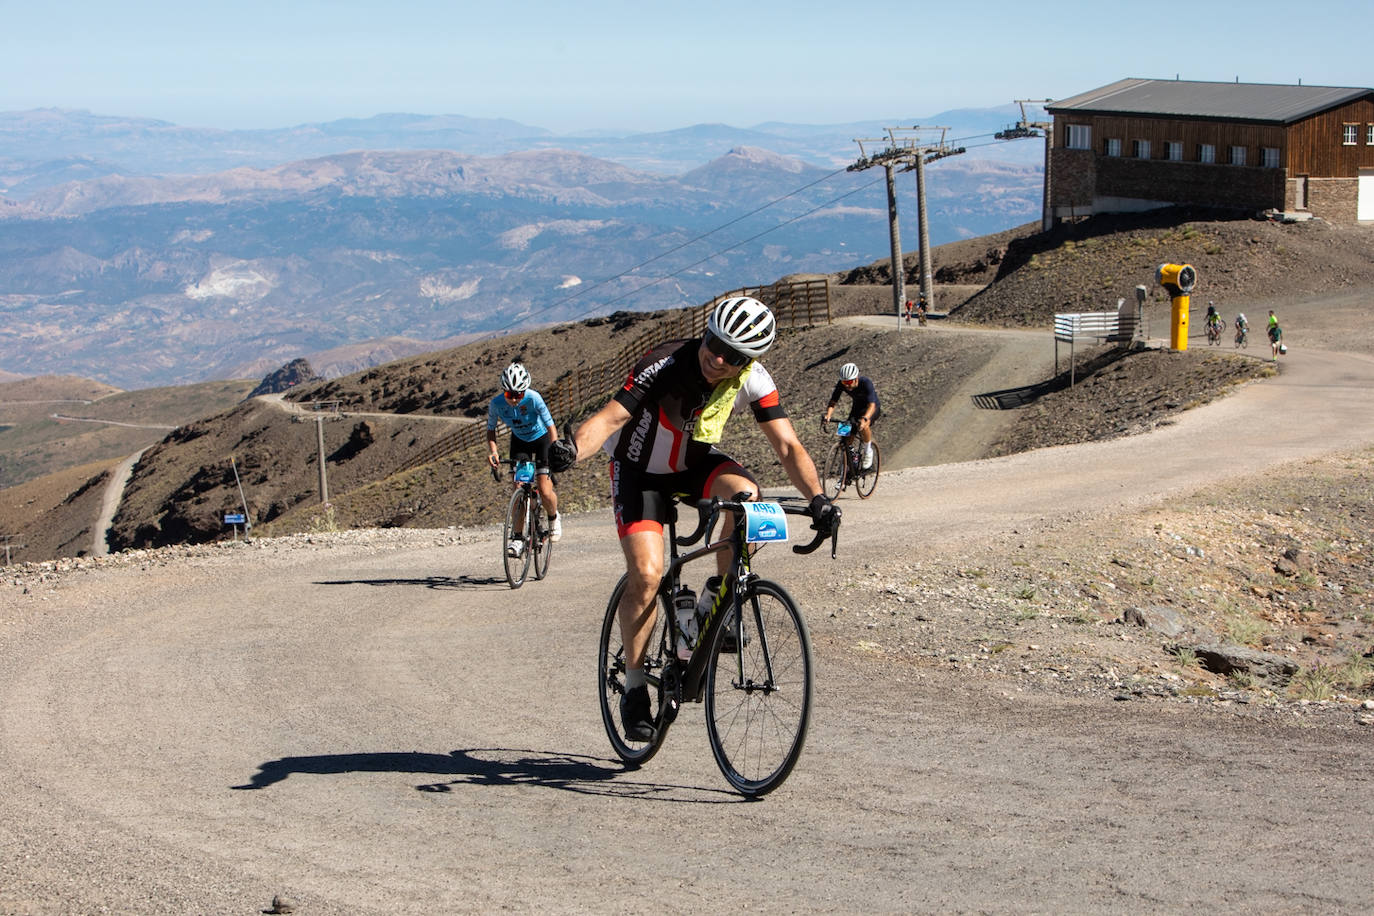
<point>643,66</point>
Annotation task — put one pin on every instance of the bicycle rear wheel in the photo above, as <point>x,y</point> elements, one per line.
<point>543,542</point>
<point>835,466</point>
<point>610,675</point>
<point>867,480</point>
<point>758,698</point>
<point>517,525</point>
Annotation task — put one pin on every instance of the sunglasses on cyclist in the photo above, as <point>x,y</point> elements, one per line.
<point>514,395</point>
<point>731,356</point>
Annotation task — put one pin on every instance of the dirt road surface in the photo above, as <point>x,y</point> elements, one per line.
<point>374,723</point>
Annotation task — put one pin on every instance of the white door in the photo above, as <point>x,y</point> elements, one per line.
<point>1364,209</point>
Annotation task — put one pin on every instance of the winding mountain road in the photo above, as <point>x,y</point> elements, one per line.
<point>376,724</point>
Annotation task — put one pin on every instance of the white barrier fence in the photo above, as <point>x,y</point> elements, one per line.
<point>1118,327</point>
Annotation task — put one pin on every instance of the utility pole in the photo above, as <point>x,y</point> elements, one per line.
<point>906,150</point>
<point>319,407</point>
<point>1027,128</point>
<point>7,540</point>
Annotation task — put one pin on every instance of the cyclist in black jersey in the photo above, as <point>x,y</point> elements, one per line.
<point>660,431</point>
<point>864,409</point>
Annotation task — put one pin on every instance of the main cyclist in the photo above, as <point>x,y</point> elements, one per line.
<point>660,431</point>
<point>532,430</point>
<point>864,409</point>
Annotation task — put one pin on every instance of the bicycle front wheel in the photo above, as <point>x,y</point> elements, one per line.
<point>518,529</point>
<point>833,481</point>
<point>867,480</point>
<point>610,675</point>
<point>543,540</point>
<point>758,698</point>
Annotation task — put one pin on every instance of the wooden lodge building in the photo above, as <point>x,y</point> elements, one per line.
<point>1140,144</point>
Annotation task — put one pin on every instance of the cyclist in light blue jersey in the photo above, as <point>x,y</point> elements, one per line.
<point>532,429</point>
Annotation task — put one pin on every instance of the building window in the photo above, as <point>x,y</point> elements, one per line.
<point>1173,152</point>
<point>1237,155</point>
<point>1140,149</point>
<point>1349,132</point>
<point>1269,157</point>
<point>1369,135</point>
<point>1206,152</point>
<point>1080,136</point>
<point>1112,147</point>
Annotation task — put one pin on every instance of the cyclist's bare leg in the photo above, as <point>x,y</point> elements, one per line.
<point>545,486</point>
<point>726,486</point>
<point>644,565</point>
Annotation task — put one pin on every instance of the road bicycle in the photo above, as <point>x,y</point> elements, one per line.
<point>1242,337</point>
<point>527,525</point>
<point>750,664</point>
<point>845,464</point>
<point>1214,334</point>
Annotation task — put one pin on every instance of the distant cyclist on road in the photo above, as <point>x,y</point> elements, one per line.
<point>864,409</point>
<point>1214,322</point>
<point>532,430</point>
<point>660,431</point>
<point>1242,327</point>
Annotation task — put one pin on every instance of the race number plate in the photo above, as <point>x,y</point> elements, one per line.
<point>764,522</point>
<point>524,471</point>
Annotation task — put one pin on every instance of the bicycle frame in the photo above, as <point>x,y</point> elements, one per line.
<point>683,681</point>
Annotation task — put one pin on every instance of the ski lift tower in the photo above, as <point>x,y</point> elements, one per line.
<point>1027,128</point>
<point>906,149</point>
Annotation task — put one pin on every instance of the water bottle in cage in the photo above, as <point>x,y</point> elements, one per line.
<point>685,608</point>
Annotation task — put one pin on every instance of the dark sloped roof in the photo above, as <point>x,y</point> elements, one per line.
<point>1187,99</point>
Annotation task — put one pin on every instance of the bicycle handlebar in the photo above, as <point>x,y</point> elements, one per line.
<point>708,509</point>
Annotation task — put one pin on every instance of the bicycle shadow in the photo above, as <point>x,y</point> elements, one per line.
<point>491,767</point>
<point>463,581</point>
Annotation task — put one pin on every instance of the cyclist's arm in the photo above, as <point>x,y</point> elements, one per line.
<point>801,470</point>
<point>599,427</point>
<point>493,456</point>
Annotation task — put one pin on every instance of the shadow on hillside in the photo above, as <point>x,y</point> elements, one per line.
<point>428,581</point>
<point>484,767</point>
<point>1012,398</point>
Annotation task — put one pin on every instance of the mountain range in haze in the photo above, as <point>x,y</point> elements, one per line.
<point>141,253</point>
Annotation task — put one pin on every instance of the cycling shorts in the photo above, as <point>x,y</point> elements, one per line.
<point>536,451</point>
<point>641,500</point>
<point>856,411</point>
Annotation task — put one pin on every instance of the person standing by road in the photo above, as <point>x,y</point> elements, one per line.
<point>1276,337</point>
<point>532,430</point>
<point>864,409</point>
<point>660,431</point>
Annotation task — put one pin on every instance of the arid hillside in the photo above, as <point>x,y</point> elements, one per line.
<point>183,485</point>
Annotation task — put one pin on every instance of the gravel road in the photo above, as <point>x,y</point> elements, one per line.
<point>372,722</point>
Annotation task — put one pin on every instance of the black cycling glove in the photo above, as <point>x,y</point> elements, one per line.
<point>562,455</point>
<point>825,514</point>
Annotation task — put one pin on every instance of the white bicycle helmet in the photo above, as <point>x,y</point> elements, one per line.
<point>515,378</point>
<point>745,324</point>
<point>849,372</point>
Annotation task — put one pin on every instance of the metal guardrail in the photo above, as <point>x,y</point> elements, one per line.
<point>1119,326</point>
<point>800,303</point>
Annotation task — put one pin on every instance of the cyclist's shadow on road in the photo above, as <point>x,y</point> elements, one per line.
<point>484,767</point>
<point>464,581</point>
